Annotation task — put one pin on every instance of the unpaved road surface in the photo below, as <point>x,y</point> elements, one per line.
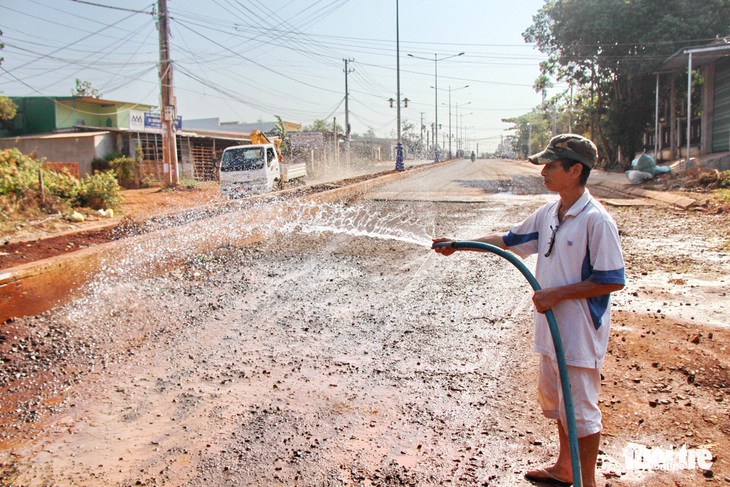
<point>333,354</point>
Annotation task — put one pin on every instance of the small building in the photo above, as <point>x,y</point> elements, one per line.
<point>708,123</point>
<point>79,148</point>
<point>215,124</point>
<point>45,114</point>
<point>77,130</point>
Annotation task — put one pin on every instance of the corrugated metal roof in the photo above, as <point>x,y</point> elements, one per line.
<point>62,135</point>
<point>701,55</point>
<point>208,134</point>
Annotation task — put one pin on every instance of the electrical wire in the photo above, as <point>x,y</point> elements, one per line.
<point>56,102</point>
<point>115,8</point>
<point>255,62</point>
<point>107,26</point>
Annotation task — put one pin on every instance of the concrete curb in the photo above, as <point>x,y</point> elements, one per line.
<point>669,198</point>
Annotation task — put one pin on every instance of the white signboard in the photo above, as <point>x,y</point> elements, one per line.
<point>148,122</point>
<point>306,139</point>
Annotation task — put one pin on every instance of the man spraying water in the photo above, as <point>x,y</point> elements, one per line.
<point>579,264</point>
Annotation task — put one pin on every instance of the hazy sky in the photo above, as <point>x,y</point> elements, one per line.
<point>250,60</point>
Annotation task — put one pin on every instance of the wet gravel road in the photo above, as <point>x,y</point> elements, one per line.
<point>319,357</point>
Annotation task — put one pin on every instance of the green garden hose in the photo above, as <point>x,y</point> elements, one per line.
<point>557,342</point>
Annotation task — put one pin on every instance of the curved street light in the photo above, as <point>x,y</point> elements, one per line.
<point>436,59</point>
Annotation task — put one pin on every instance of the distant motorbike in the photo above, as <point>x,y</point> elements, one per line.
<point>473,157</point>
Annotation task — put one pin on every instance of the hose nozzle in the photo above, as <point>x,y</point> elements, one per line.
<point>444,245</point>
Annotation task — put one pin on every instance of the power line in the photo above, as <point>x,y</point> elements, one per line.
<point>56,102</point>
<point>117,8</point>
<point>254,62</point>
<point>107,26</point>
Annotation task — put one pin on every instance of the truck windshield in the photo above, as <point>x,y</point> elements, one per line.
<point>243,159</point>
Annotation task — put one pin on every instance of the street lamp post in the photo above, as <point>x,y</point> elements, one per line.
<point>399,145</point>
<point>450,156</point>
<point>436,59</point>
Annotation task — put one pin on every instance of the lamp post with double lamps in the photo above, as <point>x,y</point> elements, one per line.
<point>399,166</point>
<point>436,59</point>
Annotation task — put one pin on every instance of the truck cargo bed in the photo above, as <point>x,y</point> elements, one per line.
<point>293,171</point>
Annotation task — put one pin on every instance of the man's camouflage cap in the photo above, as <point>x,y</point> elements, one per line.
<point>567,146</point>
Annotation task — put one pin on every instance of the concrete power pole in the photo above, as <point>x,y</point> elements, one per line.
<point>422,128</point>
<point>337,142</point>
<point>555,119</point>
<point>168,109</point>
<point>347,112</point>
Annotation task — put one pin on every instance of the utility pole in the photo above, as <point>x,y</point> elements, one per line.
<point>337,142</point>
<point>449,122</point>
<point>168,110</point>
<point>555,120</point>
<point>570,111</point>
<point>422,127</point>
<point>434,141</point>
<point>399,166</point>
<point>347,111</point>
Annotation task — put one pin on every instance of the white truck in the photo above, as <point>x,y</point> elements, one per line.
<point>256,168</point>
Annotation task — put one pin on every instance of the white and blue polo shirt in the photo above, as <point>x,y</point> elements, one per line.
<point>586,246</point>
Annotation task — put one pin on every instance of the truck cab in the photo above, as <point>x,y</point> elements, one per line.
<point>249,169</point>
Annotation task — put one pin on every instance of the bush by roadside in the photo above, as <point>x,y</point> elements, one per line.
<point>27,189</point>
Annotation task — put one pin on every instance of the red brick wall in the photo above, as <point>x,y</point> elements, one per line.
<point>71,167</point>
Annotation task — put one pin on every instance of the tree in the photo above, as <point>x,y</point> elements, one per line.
<point>541,85</point>
<point>532,131</point>
<point>280,131</point>
<point>370,134</point>
<point>610,49</point>
<point>320,125</point>
<point>411,139</point>
<point>84,88</point>
<point>8,109</point>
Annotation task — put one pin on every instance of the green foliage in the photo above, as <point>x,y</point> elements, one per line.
<point>84,88</point>
<point>532,129</point>
<point>411,139</point>
<point>125,169</point>
<point>725,179</point>
<point>280,131</point>
<point>609,50</point>
<point>8,109</point>
<point>103,164</point>
<point>62,185</point>
<point>19,183</point>
<point>148,182</point>
<point>100,191</point>
<point>18,172</point>
<point>322,126</point>
<point>188,183</point>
